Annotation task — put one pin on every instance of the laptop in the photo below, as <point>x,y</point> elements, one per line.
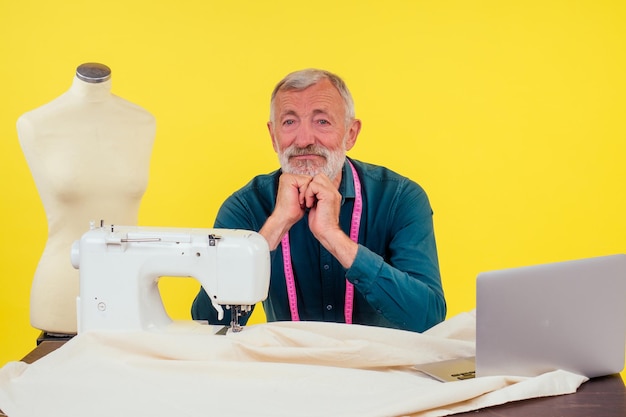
<point>535,319</point>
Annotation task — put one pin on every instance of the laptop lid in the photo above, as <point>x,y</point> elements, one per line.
<point>568,315</point>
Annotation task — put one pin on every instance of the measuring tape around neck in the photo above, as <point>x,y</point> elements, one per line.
<point>354,236</point>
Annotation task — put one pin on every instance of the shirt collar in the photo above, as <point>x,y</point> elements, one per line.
<point>346,187</point>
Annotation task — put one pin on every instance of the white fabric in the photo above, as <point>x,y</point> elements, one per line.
<point>274,369</point>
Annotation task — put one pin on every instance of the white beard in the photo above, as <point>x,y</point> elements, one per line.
<point>332,167</point>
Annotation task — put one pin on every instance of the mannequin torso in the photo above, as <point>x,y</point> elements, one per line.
<point>89,154</point>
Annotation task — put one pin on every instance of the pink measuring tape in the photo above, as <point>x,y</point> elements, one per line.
<point>354,236</point>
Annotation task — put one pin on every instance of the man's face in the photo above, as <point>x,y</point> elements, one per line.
<point>309,132</point>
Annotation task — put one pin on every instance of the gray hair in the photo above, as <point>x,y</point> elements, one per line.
<point>299,80</point>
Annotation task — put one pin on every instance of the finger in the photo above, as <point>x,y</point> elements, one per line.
<point>303,183</point>
<point>308,196</point>
<point>289,200</point>
<point>302,189</point>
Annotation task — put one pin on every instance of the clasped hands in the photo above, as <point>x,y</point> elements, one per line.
<point>320,196</point>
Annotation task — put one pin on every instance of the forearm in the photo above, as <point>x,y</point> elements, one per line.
<point>412,301</point>
<point>273,231</point>
<point>340,246</point>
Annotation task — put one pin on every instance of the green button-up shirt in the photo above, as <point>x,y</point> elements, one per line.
<point>395,273</point>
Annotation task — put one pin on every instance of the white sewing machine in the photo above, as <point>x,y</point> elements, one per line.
<point>120,267</point>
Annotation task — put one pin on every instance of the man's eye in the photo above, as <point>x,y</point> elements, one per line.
<point>323,122</point>
<point>288,122</point>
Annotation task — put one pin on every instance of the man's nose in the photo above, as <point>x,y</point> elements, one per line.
<point>305,136</point>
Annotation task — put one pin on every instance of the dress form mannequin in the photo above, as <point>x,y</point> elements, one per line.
<point>89,153</point>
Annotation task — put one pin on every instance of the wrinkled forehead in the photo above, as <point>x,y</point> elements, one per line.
<point>320,96</point>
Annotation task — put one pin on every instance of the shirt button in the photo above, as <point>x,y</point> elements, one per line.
<point>356,281</point>
<point>326,267</point>
<point>329,307</point>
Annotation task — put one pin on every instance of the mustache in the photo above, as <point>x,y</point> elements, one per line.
<point>308,150</point>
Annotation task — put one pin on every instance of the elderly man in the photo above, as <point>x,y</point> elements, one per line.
<point>350,241</point>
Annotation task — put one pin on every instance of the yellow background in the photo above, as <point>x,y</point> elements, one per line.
<point>510,115</point>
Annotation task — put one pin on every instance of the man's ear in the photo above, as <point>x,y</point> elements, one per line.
<point>353,133</point>
<point>270,127</point>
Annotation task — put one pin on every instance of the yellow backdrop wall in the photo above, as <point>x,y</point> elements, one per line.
<point>509,114</point>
